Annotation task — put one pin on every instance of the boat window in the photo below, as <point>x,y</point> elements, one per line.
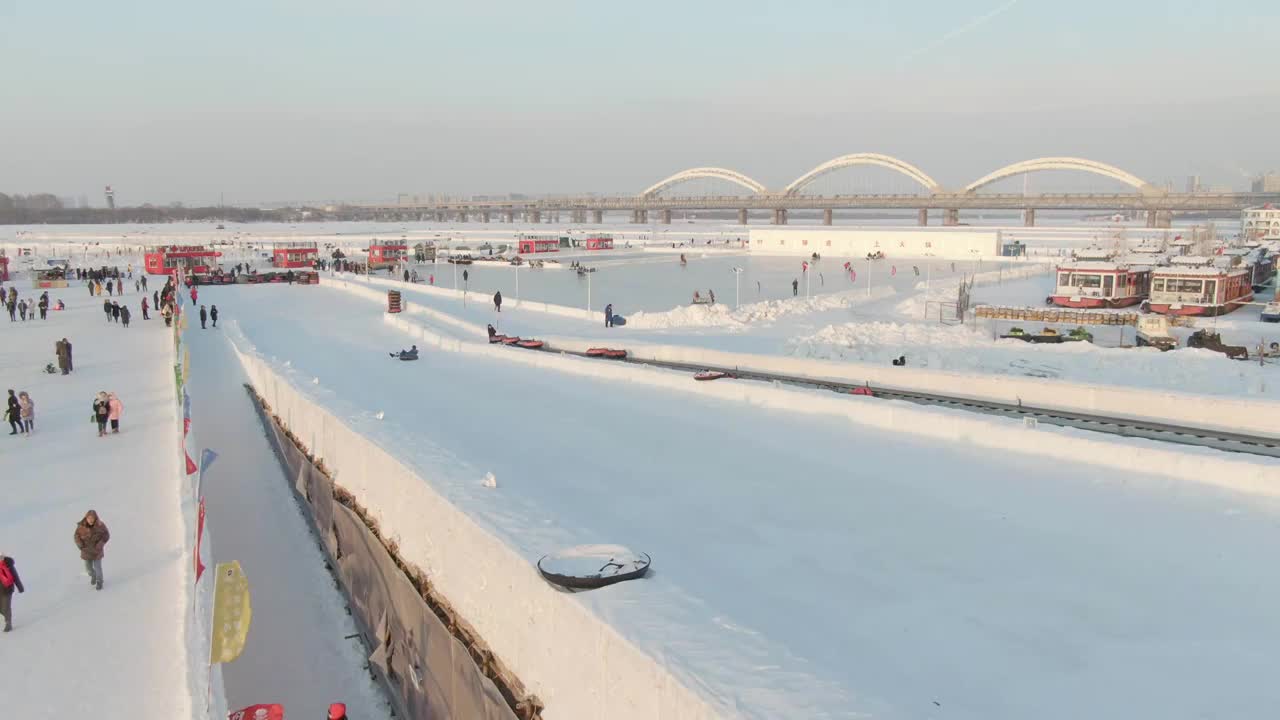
<point>1158,285</point>
<point>1107,285</point>
<point>1086,281</point>
<point>1064,279</point>
<point>1210,288</point>
<point>1184,285</point>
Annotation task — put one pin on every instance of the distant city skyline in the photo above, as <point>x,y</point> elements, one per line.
<point>272,101</point>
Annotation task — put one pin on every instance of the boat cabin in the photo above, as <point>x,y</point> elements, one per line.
<point>537,243</point>
<point>387,254</point>
<point>1201,286</point>
<point>1092,284</point>
<point>168,259</point>
<point>294,254</point>
<point>599,242</point>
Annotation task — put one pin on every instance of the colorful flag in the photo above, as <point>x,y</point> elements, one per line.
<point>191,465</point>
<point>232,613</point>
<point>199,537</point>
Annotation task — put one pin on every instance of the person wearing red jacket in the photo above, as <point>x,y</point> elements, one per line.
<point>9,581</point>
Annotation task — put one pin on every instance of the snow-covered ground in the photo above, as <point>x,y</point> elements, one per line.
<point>74,651</point>
<point>805,568</point>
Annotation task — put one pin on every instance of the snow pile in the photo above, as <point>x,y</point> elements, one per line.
<point>723,316</point>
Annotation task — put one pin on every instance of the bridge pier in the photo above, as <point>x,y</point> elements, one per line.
<point>779,216</point>
<point>486,216</point>
<point>665,217</point>
<point>535,216</point>
<point>922,217</point>
<point>508,216</point>
<point>1029,217</point>
<point>826,216</point>
<point>742,216</point>
<point>440,216</point>
<point>597,217</point>
<point>951,217</point>
<point>640,217</point>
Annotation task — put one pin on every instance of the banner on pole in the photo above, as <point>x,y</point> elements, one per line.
<point>232,613</point>
<point>199,537</point>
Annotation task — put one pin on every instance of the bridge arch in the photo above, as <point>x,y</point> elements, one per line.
<point>1061,163</point>
<point>844,161</point>
<point>713,173</point>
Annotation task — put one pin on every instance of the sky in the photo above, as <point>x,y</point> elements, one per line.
<point>277,100</point>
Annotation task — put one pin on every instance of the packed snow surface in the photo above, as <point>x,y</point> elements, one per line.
<point>805,568</point>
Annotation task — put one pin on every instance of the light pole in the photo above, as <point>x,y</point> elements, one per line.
<point>869,278</point>
<point>588,296</point>
<point>737,281</point>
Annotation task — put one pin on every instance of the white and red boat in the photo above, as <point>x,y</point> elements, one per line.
<point>1201,286</point>
<point>1101,284</point>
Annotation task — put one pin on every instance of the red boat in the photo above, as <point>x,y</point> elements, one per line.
<point>530,344</point>
<point>1093,284</point>
<point>1199,286</point>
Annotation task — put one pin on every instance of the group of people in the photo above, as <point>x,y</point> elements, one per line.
<point>21,309</point>
<point>90,537</point>
<point>117,312</point>
<point>107,408</point>
<point>20,412</point>
<point>206,315</point>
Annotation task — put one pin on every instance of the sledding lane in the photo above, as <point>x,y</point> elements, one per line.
<point>805,567</point>
<point>297,652</point>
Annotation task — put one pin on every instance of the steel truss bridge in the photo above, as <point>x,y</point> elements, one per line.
<point>1158,204</point>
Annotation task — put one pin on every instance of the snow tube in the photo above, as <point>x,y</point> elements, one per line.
<point>862,391</point>
<point>589,567</point>
<point>615,354</point>
<point>530,344</point>
<point>596,352</point>
<point>497,339</point>
<point>710,375</point>
<point>510,340</point>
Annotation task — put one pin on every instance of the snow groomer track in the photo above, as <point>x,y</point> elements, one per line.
<point>1122,426</point>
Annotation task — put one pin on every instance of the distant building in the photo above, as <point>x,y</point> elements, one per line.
<point>1193,183</point>
<point>1260,223</point>
<point>1269,182</point>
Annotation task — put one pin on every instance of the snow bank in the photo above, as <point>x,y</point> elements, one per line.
<point>577,663</point>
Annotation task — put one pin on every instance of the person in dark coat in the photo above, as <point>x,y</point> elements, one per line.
<point>155,298</point>
<point>497,301</point>
<point>144,283</point>
<point>8,573</point>
<point>795,288</point>
<point>71,363</point>
<point>101,412</point>
<point>406,275</point>
<point>119,287</point>
<point>608,315</point>
<point>13,413</point>
<point>145,308</point>
<point>22,309</point>
<point>115,311</point>
<point>124,315</point>
<point>204,316</point>
<point>106,308</point>
<point>44,306</point>
<point>91,538</point>
<point>213,314</point>
<point>60,349</point>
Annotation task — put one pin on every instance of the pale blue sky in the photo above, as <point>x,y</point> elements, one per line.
<point>286,99</point>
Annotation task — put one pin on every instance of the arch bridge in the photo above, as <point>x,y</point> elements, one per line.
<point>1159,205</point>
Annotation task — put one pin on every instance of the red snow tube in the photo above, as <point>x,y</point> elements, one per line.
<point>510,340</point>
<point>609,353</point>
<point>497,339</point>
<point>596,352</point>
<point>710,375</point>
<point>530,344</point>
<point>862,391</point>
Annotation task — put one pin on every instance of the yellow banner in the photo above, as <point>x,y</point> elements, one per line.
<point>186,364</point>
<point>182,320</point>
<point>231,613</point>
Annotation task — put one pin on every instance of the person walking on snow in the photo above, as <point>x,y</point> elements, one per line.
<point>608,315</point>
<point>119,287</point>
<point>71,365</point>
<point>204,315</point>
<point>22,309</point>
<point>213,314</point>
<point>124,315</point>
<point>145,307</point>
<point>101,412</point>
<point>106,308</point>
<point>497,301</point>
<point>44,306</point>
<point>9,581</point>
<point>13,414</point>
<point>115,311</point>
<point>194,294</point>
<point>109,287</point>
<point>115,409</point>
<point>91,538</point>
<point>144,283</point>
<point>27,412</point>
<point>155,298</point>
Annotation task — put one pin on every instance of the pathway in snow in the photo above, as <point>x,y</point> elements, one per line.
<point>805,567</point>
<point>298,653</point>
<point>75,652</point>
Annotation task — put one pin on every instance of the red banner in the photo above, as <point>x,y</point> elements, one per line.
<point>191,466</point>
<point>259,712</point>
<point>199,536</point>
